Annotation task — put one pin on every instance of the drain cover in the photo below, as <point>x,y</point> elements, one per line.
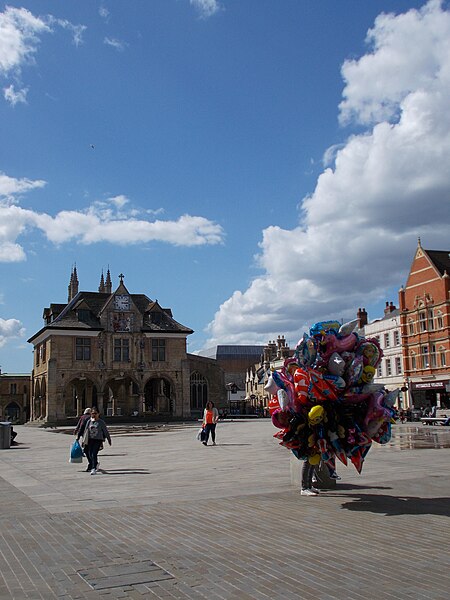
<point>113,576</point>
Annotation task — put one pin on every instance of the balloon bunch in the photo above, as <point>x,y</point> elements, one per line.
<point>324,400</point>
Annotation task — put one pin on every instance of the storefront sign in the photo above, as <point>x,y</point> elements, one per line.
<point>429,385</point>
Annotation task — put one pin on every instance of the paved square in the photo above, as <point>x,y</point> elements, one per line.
<point>169,518</point>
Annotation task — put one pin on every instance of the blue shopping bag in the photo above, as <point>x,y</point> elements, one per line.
<point>76,453</point>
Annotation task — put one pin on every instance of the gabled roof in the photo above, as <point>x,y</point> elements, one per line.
<point>83,312</point>
<point>440,259</point>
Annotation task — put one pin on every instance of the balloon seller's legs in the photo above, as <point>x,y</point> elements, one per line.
<point>307,474</point>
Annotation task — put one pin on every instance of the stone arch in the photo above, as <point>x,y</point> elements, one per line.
<point>159,395</point>
<point>120,396</point>
<point>80,392</point>
<point>40,399</point>
<point>12,411</point>
<point>198,392</point>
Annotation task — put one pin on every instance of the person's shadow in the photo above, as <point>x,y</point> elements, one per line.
<point>398,505</point>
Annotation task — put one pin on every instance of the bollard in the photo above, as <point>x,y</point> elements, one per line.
<point>5,435</point>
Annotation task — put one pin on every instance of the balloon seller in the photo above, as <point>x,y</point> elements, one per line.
<point>324,402</point>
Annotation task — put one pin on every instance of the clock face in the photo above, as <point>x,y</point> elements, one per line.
<point>122,302</point>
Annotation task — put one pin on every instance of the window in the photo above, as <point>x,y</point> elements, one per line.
<point>411,326</point>
<point>158,350</point>
<point>422,321</point>
<point>430,319</point>
<point>433,357</point>
<point>396,337</point>
<point>440,320</point>
<point>413,362</point>
<point>199,391</point>
<point>83,349</point>
<point>13,389</point>
<point>121,349</point>
<point>398,365</point>
<point>425,358</point>
<point>442,356</point>
<point>379,371</point>
<point>388,367</point>
<point>37,355</point>
<point>387,342</point>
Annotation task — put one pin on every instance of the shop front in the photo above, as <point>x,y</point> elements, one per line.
<point>426,394</point>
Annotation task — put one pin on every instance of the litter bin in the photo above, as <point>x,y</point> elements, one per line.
<point>5,434</point>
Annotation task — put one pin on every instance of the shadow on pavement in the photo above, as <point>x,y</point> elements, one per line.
<point>125,472</point>
<point>399,505</point>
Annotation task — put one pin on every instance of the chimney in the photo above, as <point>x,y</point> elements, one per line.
<point>390,307</point>
<point>361,315</point>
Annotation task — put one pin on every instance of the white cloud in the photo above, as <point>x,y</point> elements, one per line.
<point>20,34</point>
<point>206,8</point>
<point>11,187</point>
<point>76,30</point>
<point>117,44</point>
<point>10,328</point>
<point>388,185</point>
<point>14,97</point>
<point>103,12</point>
<point>109,221</point>
<point>19,38</point>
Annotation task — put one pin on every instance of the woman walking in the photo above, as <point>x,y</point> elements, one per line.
<point>210,418</point>
<point>93,435</point>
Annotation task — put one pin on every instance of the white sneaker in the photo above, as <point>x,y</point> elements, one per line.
<point>214,444</point>
<point>309,492</point>
<point>315,490</point>
<point>93,471</point>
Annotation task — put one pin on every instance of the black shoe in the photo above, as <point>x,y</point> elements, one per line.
<point>204,443</point>
<point>87,470</point>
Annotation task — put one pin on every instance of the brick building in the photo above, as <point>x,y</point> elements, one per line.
<point>122,352</point>
<point>425,328</point>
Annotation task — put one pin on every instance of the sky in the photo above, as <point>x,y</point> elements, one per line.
<point>254,165</point>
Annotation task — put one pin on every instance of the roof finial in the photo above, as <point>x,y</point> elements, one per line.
<point>121,276</point>
<point>419,243</point>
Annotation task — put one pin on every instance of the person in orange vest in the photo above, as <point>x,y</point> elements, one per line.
<point>210,418</point>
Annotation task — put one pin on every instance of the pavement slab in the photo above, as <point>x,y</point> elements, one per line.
<point>170,518</point>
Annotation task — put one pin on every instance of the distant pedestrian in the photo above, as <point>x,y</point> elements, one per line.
<point>81,422</point>
<point>210,418</point>
<point>93,435</point>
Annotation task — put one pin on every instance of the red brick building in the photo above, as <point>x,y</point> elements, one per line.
<point>425,329</point>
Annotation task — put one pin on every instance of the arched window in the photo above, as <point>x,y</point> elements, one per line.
<point>199,391</point>
<point>442,360</point>
<point>411,326</point>
<point>413,361</point>
<point>440,320</point>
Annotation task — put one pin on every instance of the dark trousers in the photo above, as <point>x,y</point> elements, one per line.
<point>307,475</point>
<point>91,451</point>
<point>210,427</point>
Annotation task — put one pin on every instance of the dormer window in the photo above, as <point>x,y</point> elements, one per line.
<point>83,314</point>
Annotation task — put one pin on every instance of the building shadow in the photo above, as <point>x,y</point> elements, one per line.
<point>398,505</point>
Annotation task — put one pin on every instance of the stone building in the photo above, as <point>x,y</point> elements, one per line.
<point>15,397</point>
<point>122,352</point>
<point>425,328</point>
<point>272,358</point>
<point>387,332</point>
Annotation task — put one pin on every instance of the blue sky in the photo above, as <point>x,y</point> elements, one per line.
<point>256,165</point>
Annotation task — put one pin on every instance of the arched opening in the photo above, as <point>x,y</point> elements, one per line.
<point>80,393</point>
<point>120,397</point>
<point>159,396</point>
<point>12,412</point>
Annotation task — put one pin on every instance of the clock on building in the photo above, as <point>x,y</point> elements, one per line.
<point>122,302</point>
